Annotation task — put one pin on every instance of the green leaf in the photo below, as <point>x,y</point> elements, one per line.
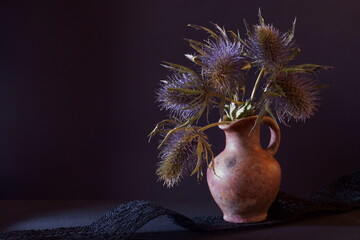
<point>279,89</point>
<point>179,68</point>
<point>199,152</point>
<point>246,67</point>
<point>291,33</point>
<point>239,112</point>
<point>294,54</point>
<point>198,46</point>
<point>212,33</point>
<point>268,109</point>
<point>247,28</point>
<point>232,107</point>
<point>305,68</point>
<point>261,19</point>
<point>197,43</point>
<point>159,127</point>
<point>194,59</point>
<point>228,114</point>
<point>221,30</point>
<point>236,36</point>
<point>259,119</point>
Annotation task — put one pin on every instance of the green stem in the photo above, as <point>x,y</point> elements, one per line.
<point>214,125</point>
<point>257,83</point>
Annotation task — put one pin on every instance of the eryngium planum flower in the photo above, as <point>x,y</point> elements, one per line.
<point>269,48</point>
<point>178,156</point>
<point>222,62</point>
<point>299,96</point>
<point>183,94</point>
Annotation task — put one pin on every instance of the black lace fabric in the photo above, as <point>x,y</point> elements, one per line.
<point>121,222</point>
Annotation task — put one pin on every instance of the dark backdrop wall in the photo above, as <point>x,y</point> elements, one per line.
<point>77,83</point>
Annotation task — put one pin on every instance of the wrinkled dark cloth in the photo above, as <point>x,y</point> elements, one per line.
<point>121,222</point>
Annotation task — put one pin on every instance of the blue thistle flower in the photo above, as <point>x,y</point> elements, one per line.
<point>183,94</point>
<point>298,96</point>
<point>178,156</point>
<point>270,49</point>
<point>221,60</point>
<point>222,63</point>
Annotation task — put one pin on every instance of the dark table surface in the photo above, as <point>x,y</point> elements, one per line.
<point>24,215</point>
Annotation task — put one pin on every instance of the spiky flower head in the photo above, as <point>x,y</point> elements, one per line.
<point>269,48</point>
<point>298,96</point>
<point>178,155</point>
<point>221,59</point>
<point>183,94</point>
<point>222,65</point>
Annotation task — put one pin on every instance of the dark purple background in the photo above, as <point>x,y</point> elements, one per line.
<point>77,82</point>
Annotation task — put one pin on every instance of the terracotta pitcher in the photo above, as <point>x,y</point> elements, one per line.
<point>247,177</point>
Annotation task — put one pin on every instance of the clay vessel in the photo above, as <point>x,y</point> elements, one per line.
<point>247,177</point>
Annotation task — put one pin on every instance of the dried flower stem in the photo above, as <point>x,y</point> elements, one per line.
<point>257,83</point>
<point>214,125</point>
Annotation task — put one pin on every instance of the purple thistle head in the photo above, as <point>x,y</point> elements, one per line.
<point>183,94</point>
<point>178,156</point>
<point>299,98</point>
<point>269,48</point>
<point>222,63</point>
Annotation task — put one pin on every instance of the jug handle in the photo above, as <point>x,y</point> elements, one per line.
<point>274,135</point>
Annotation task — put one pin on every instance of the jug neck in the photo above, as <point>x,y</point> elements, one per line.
<point>240,135</point>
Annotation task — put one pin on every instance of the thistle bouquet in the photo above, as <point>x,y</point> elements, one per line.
<point>222,65</point>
